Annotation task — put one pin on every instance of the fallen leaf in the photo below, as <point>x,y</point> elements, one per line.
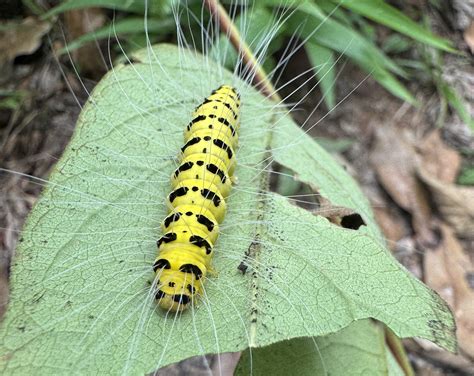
<point>4,277</point>
<point>390,218</point>
<point>434,270</point>
<point>221,364</point>
<point>454,203</point>
<point>447,269</point>
<point>224,364</point>
<point>438,159</point>
<point>20,38</point>
<point>394,160</point>
<point>425,354</point>
<point>391,225</point>
<point>82,21</point>
<point>406,251</point>
<point>469,36</point>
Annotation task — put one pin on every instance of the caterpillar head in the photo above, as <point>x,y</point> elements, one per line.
<point>176,290</point>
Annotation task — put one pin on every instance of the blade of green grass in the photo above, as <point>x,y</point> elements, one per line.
<point>338,37</point>
<point>322,59</point>
<point>389,82</point>
<point>331,34</point>
<point>457,104</point>
<point>131,25</point>
<point>467,176</point>
<point>134,6</point>
<point>383,13</point>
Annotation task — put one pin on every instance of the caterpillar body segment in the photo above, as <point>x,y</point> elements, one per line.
<point>204,141</point>
<point>220,113</point>
<point>203,122</point>
<point>200,186</point>
<point>192,216</point>
<point>206,167</point>
<point>194,191</point>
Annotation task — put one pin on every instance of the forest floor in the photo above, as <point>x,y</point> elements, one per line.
<point>406,159</point>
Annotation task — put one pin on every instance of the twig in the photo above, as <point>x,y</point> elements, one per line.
<point>261,80</point>
<point>398,351</point>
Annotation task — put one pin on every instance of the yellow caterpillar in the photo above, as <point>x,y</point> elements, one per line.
<point>197,204</point>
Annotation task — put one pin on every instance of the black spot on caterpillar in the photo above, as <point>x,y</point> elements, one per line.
<point>177,193</point>
<point>190,268</point>
<point>172,218</point>
<point>206,193</point>
<point>166,238</point>
<point>184,167</point>
<point>216,170</point>
<point>205,221</point>
<point>161,264</point>
<point>201,242</point>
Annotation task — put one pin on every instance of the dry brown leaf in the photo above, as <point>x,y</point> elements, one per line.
<point>221,364</point>
<point>469,36</point>
<point>394,161</point>
<point>4,278</point>
<point>454,203</point>
<point>390,219</point>
<point>435,274</point>
<point>226,363</point>
<point>391,225</point>
<point>447,269</point>
<point>20,38</point>
<point>438,159</point>
<point>425,353</point>
<point>80,22</point>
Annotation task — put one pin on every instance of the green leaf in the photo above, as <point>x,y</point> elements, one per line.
<point>80,299</point>
<point>134,6</point>
<point>466,177</point>
<point>380,11</point>
<point>359,347</point>
<point>338,145</point>
<point>334,35</point>
<point>456,103</point>
<point>272,3</point>
<point>388,80</point>
<point>339,37</point>
<point>322,59</point>
<point>129,25</point>
<point>396,44</point>
<point>394,368</point>
<point>336,12</point>
<point>12,99</point>
<point>32,6</point>
<point>160,8</point>
<point>255,26</point>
